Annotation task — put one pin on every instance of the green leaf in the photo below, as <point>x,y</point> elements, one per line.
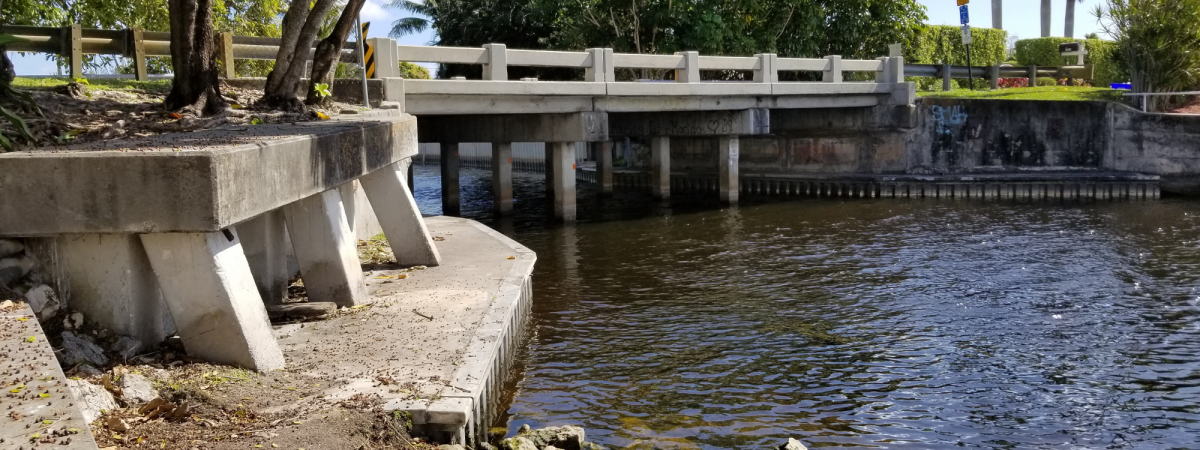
<point>6,39</point>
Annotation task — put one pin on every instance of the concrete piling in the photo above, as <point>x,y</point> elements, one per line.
<point>563,181</point>
<point>326,249</point>
<point>727,167</point>
<point>502,189</point>
<point>450,184</point>
<point>660,167</point>
<point>399,216</point>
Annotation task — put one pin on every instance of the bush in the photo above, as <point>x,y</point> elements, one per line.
<point>943,44</point>
<point>926,84</point>
<point>1006,83</point>
<point>979,84</point>
<point>1044,52</point>
<point>1158,43</point>
<point>1046,81</point>
<point>413,71</point>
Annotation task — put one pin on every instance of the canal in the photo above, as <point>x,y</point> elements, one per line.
<point>887,323</point>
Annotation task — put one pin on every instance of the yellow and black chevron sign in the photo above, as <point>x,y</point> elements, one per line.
<point>369,51</point>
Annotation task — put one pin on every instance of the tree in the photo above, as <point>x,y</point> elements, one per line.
<point>998,14</point>
<point>300,25</point>
<point>1157,42</point>
<point>1069,24</point>
<point>193,59</point>
<point>412,24</point>
<point>329,52</point>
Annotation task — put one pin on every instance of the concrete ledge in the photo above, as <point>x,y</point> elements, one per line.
<point>690,123</point>
<point>202,181</point>
<point>575,127</point>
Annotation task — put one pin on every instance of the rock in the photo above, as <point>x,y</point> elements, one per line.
<point>566,437</point>
<point>487,446</point>
<point>127,347</point>
<point>792,444</point>
<point>451,447</point>
<point>43,301</point>
<point>116,424</point>
<point>79,350</point>
<point>86,370</point>
<point>524,429</point>
<point>593,446</point>
<point>73,321</point>
<point>517,443</point>
<point>136,389</point>
<point>551,447</point>
<point>93,400</point>
<point>9,247</point>
<point>14,269</point>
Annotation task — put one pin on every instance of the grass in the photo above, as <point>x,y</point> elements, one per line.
<point>1059,93</point>
<point>116,84</point>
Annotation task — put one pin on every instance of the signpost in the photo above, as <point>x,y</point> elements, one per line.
<point>965,18</point>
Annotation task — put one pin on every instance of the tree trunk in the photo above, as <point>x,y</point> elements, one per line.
<point>329,52</point>
<point>1045,18</point>
<point>7,73</point>
<point>193,59</point>
<point>284,79</point>
<point>1069,24</point>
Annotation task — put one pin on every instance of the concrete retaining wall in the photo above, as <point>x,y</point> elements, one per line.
<point>1162,144</point>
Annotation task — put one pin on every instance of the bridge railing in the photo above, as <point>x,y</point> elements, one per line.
<point>600,65</point>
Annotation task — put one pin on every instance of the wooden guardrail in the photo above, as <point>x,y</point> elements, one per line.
<point>74,41</point>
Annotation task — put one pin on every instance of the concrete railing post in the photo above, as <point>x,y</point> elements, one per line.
<point>881,75</point>
<point>326,249</point>
<point>660,167</point>
<point>833,74</point>
<point>496,68</point>
<point>72,48</point>
<point>766,72</point>
<point>690,73</point>
<point>897,68</point>
<point>387,59</point>
<point>210,291</point>
<point>449,163</point>
<point>563,181</point>
<point>392,200</point>
<point>947,83</point>
<point>601,70</point>
<point>994,76</point>
<point>502,187</point>
<point>727,148</point>
<point>226,52</point>
<point>138,45</point>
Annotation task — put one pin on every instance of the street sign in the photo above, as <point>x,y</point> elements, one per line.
<point>963,17</point>
<point>966,34</point>
<point>963,2</point>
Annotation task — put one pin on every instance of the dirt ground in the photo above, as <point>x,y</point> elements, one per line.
<point>79,113</point>
<point>1192,107</point>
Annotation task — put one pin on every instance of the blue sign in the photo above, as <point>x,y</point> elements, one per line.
<point>963,17</point>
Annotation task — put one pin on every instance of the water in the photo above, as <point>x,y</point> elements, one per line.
<point>889,323</point>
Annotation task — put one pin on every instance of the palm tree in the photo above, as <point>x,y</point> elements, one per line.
<point>1069,26</point>
<point>411,25</point>
<point>1045,18</point>
<point>998,14</point>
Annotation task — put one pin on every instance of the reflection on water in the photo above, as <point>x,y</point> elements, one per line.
<point>892,323</point>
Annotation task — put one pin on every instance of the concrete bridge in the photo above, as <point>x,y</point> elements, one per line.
<point>603,108</point>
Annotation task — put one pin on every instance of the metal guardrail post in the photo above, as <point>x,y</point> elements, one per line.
<point>1032,76</point>
<point>73,48</point>
<point>994,75</point>
<point>834,73</point>
<point>226,52</point>
<point>138,54</point>
<point>946,81</point>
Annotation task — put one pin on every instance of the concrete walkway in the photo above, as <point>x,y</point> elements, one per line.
<point>436,343</point>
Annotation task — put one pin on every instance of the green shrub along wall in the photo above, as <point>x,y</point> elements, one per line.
<point>1101,54</point>
<point>938,44</point>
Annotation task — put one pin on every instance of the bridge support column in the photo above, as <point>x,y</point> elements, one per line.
<point>208,287</point>
<point>563,179</point>
<point>660,167</point>
<point>394,205</point>
<point>264,241</point>
<point>727,148</point>
<point>449,163</point>
<point>502,190</point>
<point>549,167</point>
<point>604,166</point>
<point>326,249</point>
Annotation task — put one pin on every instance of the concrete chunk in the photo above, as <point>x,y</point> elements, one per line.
<point>93,400</point>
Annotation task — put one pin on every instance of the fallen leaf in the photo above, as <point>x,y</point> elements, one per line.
<point>31,339</point>
<point>512,257</point>
<point>322,115</point>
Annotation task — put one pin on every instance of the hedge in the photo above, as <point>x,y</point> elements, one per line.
<point>1101,54</point>
<point>413,71</point>
<point>937,44</point>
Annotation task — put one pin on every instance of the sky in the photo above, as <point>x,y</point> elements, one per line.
<point>1021,18</point>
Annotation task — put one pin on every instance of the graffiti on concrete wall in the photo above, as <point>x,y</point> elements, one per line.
<point>946,118</point>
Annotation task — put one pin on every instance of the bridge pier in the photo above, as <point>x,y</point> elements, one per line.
<point>604,166</point>
<point>727,184</point>
<point>562,179</point>
<point>326,249</point>
<point>502,190</point>
<point>392,200</point>
<point>660,167</point>
<point>450,185</point>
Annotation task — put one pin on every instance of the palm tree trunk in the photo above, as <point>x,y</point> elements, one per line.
<point>1045,18</point>
<point>1069,25</point>
<point>998,14</point>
